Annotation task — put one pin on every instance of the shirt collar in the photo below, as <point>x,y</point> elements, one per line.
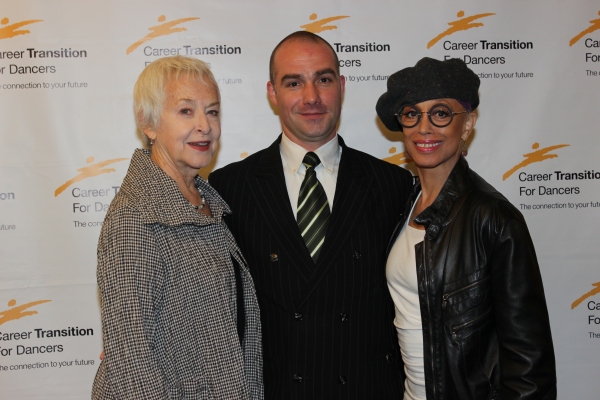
<point>293,154</point>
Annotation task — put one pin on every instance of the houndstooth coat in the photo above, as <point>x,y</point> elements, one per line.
<point>168,296</point>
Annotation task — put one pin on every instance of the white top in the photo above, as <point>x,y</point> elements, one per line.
<point>401,273</point>
<point>293,169</point>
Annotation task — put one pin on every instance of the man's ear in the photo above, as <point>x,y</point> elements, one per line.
<point>271,92</point>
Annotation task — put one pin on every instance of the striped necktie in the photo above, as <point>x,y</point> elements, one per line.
<point>313,208</point>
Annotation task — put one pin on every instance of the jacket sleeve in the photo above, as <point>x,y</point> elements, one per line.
<point>526,353</point>
<point>130,281</point>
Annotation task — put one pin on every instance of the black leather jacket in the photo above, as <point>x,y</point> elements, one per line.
<point>485,323</point>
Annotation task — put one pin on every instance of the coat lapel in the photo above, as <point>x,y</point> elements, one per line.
<point>271,195</point>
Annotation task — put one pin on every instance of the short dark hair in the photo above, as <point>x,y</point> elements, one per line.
<point>301,36</point>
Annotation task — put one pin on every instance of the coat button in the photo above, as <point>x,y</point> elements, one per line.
<point>344,317</point>
<point>389,358</point>
<point>297,378</point>
<point>356,255</point>
<point>342,380</point>
<point>298,316</point>
<point>274,257</point>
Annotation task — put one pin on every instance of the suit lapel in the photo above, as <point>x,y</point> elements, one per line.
<point>271,195</point>
<point>351,194</point>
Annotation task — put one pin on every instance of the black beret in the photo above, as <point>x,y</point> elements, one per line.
<point>429,79</point>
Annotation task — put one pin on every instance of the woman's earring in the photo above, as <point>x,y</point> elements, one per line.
<point>464,151</point>
<point>151,142</point>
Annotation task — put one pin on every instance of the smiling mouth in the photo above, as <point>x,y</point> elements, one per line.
<point>310,111</point>
<point>427,146</point>
<point>313,116</point>
<point>202,146</point>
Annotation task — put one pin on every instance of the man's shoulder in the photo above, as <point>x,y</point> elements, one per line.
<point>237,167</point>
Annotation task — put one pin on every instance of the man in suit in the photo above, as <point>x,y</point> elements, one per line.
<point>326,312</point>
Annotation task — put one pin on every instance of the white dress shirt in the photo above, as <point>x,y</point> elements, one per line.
<point>293,169</point>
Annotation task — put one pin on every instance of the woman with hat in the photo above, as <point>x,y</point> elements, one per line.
<point>470,311</point>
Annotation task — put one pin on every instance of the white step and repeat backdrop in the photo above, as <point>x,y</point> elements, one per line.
<point>67,132</point>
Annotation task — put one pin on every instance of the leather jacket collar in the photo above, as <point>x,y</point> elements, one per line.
<point>437,215</point>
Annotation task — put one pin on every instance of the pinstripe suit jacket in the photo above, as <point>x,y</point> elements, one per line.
<point>327,329</point>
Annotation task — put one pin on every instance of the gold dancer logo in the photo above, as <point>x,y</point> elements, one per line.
<point>533,157</point>
<point>89,172</point>
<point>589,294</point>
<point>398,159</point>
<point>164,29</point>
<point>461,24</point>
<point>9,31</point>
<point>321,25</point>
<point>595,25</point>
<point>18,312</point>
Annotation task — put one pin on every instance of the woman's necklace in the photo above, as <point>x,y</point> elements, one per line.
<point>201,206</point>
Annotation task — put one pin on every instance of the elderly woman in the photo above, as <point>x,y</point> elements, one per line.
<point>180,318</point>
<point>471,315</point>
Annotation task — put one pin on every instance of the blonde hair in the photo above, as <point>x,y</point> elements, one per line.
<point>149,90</point>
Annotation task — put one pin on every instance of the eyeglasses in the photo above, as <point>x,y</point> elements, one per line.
<point>440,115</point>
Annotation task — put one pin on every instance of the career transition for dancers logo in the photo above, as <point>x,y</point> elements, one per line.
<point>466,22</point>
<point>165,28</point>
<point>538,155</point>
<point>16,311</point>
<point>570,182</point>
<point>8,30</point>
<point>587,295</point>
<point>90,171</point>
<point>463,23</point>
<point>593,27</point>
<point>168,27</point>
<point>319,25</point>
<point>348,53</point>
